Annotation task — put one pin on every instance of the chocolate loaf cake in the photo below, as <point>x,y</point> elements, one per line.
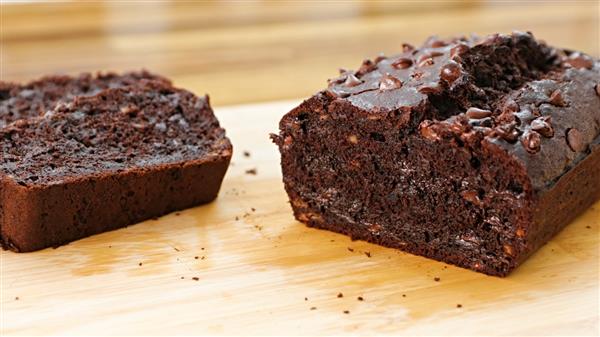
<point>470,151</point>
<point>105,161</point>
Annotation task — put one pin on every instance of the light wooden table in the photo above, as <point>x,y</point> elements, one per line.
<point>264,272</point>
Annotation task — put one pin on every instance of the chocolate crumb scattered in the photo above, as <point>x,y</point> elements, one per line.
<point>176,249</point>
<point>588,227</point>
<point>340,295</point>
<point>17,298</point>
<point>436,279</point>
<point>203,257</point>
<point>253,209</point>
<point>313,308</point>
<point>368,254</point>
<point>177,213</point>
<point>182,277</point>
<point>196,257</point>
<point>195,278</point>
<point>459,305</point>
<point>237,218</point>
<point>346,311</point>
<point>251,171</point>
<point>403,295</point>
<point>306,298</point>
<point>246,154</point>
<point>360,298</point>
<point>351,249</point>
<point>140,264</point>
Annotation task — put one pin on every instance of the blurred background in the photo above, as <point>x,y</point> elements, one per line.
<point>256,51</point>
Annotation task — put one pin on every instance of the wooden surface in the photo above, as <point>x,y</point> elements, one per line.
<point>254,273</point>
<point>253,51</point>
<point>257,271</point>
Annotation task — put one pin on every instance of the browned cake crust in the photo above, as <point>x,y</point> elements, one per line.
<point>470,151</point>
<point>100,162</point>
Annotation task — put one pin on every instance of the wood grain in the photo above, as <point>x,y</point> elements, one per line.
<point>261,50</point>
<point>260,272</point>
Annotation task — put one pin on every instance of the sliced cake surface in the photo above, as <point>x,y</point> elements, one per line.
<point>473,151</point>
<point>18,101</point>
<point>104,161</point>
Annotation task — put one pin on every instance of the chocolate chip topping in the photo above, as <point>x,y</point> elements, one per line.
<point>402,63</point>
<point>458,50</point>
<point>425,60</point>
<point>389,82</point>
<point>531,141</point>
<point>450,72</point>
<point>508,132</point>
<point>477,113</point>
<point>575,141</point>
<point>557,99</point>
<point>366,66</point>
<point>352,80</point>
<point>542,126</point>
<point>407,47</point>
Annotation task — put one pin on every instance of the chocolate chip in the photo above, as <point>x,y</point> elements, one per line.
<point>458,50</point>
<point>531,141</point>
<point>340,295</point>
<point>508,132</point>
<point>367,66</point>
<point>436,279</point>
<point>360,298</point>
<point>476,113</point>
<point>575,140</point>
<point>438,44</point>
<point>406,47</point>
<point>425,60</point>
<point>379,58</point>
<point>450,72</point>
<point>388,82</point>
<point>597,87</point>
<point>352,80</point>
<point>429,89</point>
<point>542,126</point>
<point>556,99</point>
<point>579,60</point>
<point>402,63</point>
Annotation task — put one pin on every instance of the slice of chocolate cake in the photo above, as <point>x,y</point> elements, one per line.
<point>470,151</point>
<point>18,101</point>
<point>106,161</point>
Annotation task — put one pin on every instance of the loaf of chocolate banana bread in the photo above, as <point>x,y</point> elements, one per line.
<point>470,151</point>
<point>95,163</point>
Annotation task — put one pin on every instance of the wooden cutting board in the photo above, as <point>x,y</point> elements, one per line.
<point>243,265</point>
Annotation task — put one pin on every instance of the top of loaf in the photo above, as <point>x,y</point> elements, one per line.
<point>540,104</point>
<point>144,125</point>
<point>18,101</point>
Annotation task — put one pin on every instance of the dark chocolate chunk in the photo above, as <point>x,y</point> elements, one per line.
<point>531,141</point>
<point>543,126</point>
<point>575,141</point>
